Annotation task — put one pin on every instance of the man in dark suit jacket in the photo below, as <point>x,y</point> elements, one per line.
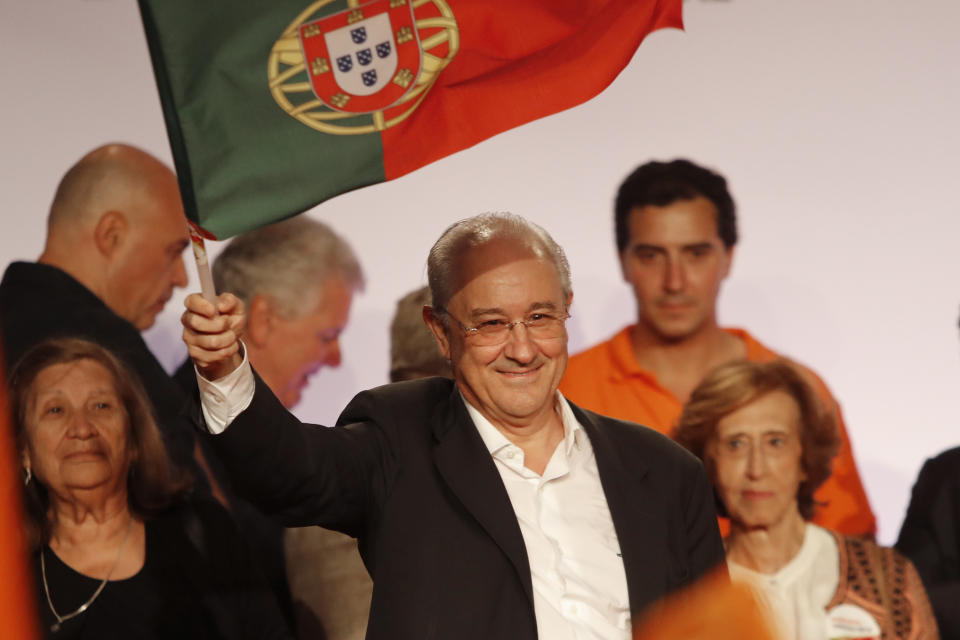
<point>930,537</point>
<point>486,507</point>
<point>115,236</point>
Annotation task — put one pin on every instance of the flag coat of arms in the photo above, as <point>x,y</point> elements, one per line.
<point>359,66</point>
<point>272,108</point>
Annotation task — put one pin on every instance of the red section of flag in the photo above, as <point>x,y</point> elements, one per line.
<point>17,607</point>
<point>519,61</point>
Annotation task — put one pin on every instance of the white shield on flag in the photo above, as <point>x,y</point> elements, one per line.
<point>364,55</point>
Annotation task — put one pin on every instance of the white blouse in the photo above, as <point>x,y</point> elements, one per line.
<point>798,594</point>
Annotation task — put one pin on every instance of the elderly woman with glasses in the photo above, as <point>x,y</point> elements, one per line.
<point>118,550</point>
<point>767,446</point>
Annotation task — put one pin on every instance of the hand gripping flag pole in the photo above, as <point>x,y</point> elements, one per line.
<point>207,287</point>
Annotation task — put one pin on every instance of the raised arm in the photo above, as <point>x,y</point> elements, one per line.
<point>302,474</point>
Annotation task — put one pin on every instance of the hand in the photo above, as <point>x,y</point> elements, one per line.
<point>213,334</point>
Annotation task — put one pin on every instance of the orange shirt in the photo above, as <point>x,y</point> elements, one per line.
<point>607,379</point>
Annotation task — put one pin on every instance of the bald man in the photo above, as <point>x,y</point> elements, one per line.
<point>115,236</point>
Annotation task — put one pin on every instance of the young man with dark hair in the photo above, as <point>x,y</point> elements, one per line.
<point>676,234</point>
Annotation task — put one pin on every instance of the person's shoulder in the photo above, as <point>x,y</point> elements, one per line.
<point>942,466</point>
<point>412,400</point>
<point>12,274</point>
<point>601,351</point>
<point>949,458</point>
<point>19,271</point>
<point>590,374</point>
<point>34,289</point>
<point>409,390</point>
<point>759,352</point>
<point>33,278</point>
<point>858,546</point>
<point>39,301</point>
<point>639,441</point>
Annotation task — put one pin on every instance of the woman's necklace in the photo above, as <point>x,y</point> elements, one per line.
<point>46,589</point>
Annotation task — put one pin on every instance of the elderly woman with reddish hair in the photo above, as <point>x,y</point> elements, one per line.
<point>119,549</point>
<point>767,446</point>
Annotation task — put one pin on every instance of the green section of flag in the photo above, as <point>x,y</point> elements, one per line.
<point>244,162</point>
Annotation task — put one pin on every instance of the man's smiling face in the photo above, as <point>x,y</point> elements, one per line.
<point>514,382</point>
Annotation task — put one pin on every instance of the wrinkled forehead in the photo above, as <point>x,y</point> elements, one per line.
<point>771,411</point>
<point>84,373</point>
<point>59,379</point>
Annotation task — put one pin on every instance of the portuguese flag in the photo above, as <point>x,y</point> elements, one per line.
<point>273,107</point>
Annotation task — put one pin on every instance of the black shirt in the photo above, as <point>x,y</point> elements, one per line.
<point>197,581</point>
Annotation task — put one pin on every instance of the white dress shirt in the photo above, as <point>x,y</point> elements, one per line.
<point>579,583</point>
<point>223,400</point>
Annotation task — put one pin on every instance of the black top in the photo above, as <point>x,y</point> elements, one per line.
<point>197,582</point>
<point>38,301</point>
<point>930,537</point>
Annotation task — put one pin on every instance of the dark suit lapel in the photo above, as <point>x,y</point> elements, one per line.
<point>625,490</point>
<point>468,469</point>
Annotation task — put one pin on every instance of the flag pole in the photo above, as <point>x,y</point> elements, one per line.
<point>207,288</point>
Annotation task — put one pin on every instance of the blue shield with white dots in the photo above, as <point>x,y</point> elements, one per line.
<point>363,68</point>
<point>365,58</point>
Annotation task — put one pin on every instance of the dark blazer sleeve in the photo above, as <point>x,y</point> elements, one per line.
<point>306,474</point>
<point>930,537</point>
<point>704,544</point>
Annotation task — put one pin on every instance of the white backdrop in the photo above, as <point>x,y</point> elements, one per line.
<point>835,122</point>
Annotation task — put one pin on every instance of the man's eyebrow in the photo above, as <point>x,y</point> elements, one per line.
<point>646,247</point>
<point>542,305</point>
<point>181,245</point>
<point>698,245</point>
<point>498,311</point>
<point>489,311</point>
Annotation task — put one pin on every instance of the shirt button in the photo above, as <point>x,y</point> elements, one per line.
<point>511,454</point>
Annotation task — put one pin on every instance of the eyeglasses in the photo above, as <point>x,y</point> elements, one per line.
<point>539,325</point>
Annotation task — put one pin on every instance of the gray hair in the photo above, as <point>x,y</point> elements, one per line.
<point>285,261</point>
<point>480,230</point>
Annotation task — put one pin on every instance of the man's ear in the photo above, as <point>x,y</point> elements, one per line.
<point>110,231</point>
<point>432,318</point>
<point>259,321</point>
